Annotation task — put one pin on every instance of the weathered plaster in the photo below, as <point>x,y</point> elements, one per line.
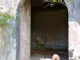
<point>25,31</point>
<point>73,22</point>
<point>9,5</point>
<point>74,28</point>
<point>5,44</point>
<point>7,39</point>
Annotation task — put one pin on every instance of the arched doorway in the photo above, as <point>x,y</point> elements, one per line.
<point>49,27</point>
<point>26,13</point>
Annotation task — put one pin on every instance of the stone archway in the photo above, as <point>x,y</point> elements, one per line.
<point>24,9</point>
<point>23,29</point>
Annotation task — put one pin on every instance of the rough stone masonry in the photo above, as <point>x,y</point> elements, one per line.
<point>73,7</point>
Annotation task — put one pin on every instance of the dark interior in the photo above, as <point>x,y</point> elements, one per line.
<point>49,32</point>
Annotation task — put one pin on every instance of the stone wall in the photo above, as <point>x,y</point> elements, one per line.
<point>9,5</point>
<point>74,28</point>
<point>53,25</point>
<point>73,22</point>
<point>74,39</point>
<point>5,44</point>
<point>25,31</point>
<point>7,35</point>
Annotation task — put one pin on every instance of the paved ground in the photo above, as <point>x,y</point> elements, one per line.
<point>36,54</point>
<point>37,57</point>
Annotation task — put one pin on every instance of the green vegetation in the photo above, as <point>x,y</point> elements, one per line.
<point>4,18</point>
<point>57,0</point>
<point>13,32</point>
<point>61,0</point>
<point>41,46</point>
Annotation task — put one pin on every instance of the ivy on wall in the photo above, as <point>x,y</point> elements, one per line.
<point>57,0</point>
<point>4,18</point>
<point>54,2</point>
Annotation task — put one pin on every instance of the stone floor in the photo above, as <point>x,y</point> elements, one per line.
<point>38,56</point>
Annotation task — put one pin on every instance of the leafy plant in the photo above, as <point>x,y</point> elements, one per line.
<point>40,45</point>
<point>4,18</point>
<point>57,1</point>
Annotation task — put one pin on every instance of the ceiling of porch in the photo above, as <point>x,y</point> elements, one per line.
<point>39,6</point>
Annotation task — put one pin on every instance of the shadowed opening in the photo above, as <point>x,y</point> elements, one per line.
<point>49,30</point>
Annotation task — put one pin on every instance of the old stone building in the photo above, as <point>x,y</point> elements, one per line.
<point>57,27</point>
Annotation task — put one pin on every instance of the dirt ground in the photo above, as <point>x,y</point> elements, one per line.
<point>48,53</point>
